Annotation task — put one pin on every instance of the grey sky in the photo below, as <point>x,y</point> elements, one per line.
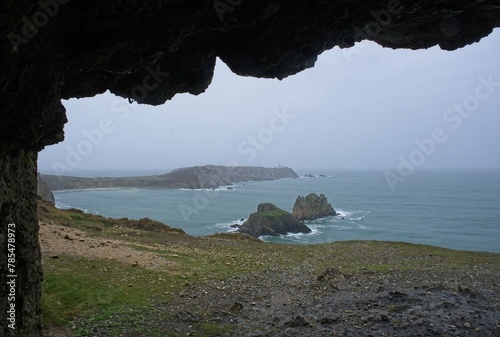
<point>364,107</point>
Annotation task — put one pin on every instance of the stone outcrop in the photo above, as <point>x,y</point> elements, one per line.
<point>197,177</point>
<point>312,207</point>
<point>19,222</point>
<point>213,176</point>
<point>149,51</point>
<point>43,190</point>
<point>271,220</point>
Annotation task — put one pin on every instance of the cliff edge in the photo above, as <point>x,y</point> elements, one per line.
<point>197,177</point>
<point>43,190</point>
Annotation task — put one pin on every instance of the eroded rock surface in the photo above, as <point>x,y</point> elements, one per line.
<point>197,177</point>
<point>273,221</point>
<point>148,51</point>
<point>312,207</point>
<point>43,190</point>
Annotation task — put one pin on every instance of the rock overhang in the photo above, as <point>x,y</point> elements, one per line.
<point>150,51</point>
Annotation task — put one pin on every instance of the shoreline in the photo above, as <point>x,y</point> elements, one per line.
<point>293,239</point>
<point>94,189</point>
<point>159,282</point>
<point>197,177</point>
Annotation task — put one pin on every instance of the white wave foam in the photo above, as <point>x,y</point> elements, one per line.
<point>314,231</point>
<point>317,221</point>
<point>343,213</point>
<point>351,215</point>
<point>64,206</point>
<point>295,236</point>
<point>346,227</point>
<point>221,188</point>
<point>316,225</point>
<point>61,205</point>
<point>306,176</point>
<point>227,225</point>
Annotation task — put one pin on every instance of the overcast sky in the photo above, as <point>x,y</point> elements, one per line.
<point>364,107</point>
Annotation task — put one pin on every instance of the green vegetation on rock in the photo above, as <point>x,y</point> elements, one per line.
<point>120,278</point>
<point>271,220</point>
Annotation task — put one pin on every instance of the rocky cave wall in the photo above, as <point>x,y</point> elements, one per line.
<point>148,51</point>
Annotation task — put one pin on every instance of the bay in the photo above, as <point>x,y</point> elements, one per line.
<point>455,209</point>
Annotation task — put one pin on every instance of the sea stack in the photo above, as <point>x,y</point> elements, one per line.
<point>271,220</point>
<point>312,207</point>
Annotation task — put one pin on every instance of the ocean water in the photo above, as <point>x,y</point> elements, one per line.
<point>453,209</point>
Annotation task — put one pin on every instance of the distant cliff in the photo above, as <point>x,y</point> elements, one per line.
<point>211,176</point>
<point>43,190</point>
<point>208,176</point>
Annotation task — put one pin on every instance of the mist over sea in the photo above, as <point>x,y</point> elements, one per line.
<point>458,209</point>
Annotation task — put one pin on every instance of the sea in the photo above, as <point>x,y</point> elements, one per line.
<point>458,209</point>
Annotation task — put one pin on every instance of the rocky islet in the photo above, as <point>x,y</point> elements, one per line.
<point>312,207</point>
<point>273,221</point>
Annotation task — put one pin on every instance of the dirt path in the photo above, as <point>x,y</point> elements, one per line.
<point>58,240</point>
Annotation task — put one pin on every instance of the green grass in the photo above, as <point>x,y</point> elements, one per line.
<point>74,286</point>
<point>276,213</point>
<point>116,296</point>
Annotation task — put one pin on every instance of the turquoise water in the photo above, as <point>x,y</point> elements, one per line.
<point>454,209</point>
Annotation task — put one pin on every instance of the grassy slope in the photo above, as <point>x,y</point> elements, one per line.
<point>100,291</point>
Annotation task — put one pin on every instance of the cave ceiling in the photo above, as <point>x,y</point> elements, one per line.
<point>149,51</point>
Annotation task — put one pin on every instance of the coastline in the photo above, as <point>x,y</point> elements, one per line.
<point>94,189</point>
<point>465,221</point>
<point>197,177</point>
<point>161,282</point>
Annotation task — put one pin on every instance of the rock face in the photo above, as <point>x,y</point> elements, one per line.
<point>271,220</point>
<point>43,190</point>
<point>149,51</point>
<point>81,48</point>
<point>312,207</point>
<point>18,210</point>
<point>212,176</point>
<point>208,176</point>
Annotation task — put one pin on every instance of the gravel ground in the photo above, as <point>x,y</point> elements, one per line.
<point>310,299</point>
<point>297,303</point>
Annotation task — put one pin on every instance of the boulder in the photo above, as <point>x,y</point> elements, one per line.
<point>271,220</point>
<point>312,207</point>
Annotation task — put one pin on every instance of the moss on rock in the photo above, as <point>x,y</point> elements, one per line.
<point>273,221</point>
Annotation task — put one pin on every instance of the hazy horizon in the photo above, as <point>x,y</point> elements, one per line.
<point>115,173</point>
<point>366,107</point>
